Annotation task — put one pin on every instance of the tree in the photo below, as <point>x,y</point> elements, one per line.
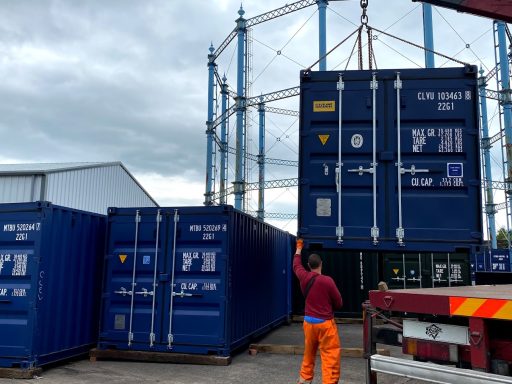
<point>501,238</point>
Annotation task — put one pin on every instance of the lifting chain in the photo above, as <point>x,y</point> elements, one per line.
<point>364,16</point>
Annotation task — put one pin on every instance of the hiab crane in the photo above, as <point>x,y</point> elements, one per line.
<point>494,9</point>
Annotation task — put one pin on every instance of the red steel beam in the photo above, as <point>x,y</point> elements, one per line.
<point>494,9</point>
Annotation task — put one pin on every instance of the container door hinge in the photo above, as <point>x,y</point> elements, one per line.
<point>151,339</point>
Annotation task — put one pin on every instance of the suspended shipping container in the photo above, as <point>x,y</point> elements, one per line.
<point>200,280</point>
<point>389,168</point>
<point>50,282</point>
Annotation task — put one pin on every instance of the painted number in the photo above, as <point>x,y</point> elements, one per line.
<point>445,106</point>
<point>208,236</point>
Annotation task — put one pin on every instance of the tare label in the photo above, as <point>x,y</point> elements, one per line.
<point>437,140</point>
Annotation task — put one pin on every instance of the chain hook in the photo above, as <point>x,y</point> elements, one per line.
<point>364,16</point>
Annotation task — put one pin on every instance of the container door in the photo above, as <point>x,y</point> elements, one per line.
<point>135,271</point>
<point>404,270</point>
<point>21,286</point>
<point>195,306</point>
<point>342,201</point>
<point>435,138</point>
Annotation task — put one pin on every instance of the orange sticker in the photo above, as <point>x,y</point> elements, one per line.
<point>122,258</point>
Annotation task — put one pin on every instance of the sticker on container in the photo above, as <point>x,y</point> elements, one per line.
<point>455,169</point>
<point>396,270</point>
<point>119,322</point>
<point>146,259</point>
<point>122,258</point>
<point>323,207</point>
<point>324,106</point>
<point>357,140</point>
<point>323,138</point>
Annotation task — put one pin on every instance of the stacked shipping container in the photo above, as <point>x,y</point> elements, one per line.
<point>390,176</point>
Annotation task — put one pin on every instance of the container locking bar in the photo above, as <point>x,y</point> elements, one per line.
<point>374,85</point>
<point>341,86</point>
<point>374,231</point>
<point>400,231</point>
<point>170,336</point>
<point>155,283</point>
<point>137,222</point>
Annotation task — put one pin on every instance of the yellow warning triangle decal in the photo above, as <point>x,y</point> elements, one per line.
<point>122,258</point>
<point>396,270</point>
<point>323,138</point>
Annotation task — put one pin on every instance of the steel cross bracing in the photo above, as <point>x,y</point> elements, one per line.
<point>289,8</point>
<point>254,101</point>
<point>282,111</point>
<point>250,156</point>
<point>275,215</point>
<point>273,96</point>
<point>283,183</point>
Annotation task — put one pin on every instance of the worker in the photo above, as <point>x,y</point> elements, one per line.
<point>320,331</point>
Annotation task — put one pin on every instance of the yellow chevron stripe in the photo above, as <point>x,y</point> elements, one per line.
<point>505,312</point>
<point>469,307</point>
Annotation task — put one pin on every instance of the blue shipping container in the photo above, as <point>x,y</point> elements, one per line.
<point>50,282</point>
<point>389,160</point>
<point>199,280</point>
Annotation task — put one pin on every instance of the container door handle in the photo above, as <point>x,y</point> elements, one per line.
<point>183,294</point>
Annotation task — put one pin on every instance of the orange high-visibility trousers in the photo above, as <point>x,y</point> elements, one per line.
<point>323,336</point>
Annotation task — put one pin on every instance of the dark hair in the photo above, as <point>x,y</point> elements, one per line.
<point>314,261</point>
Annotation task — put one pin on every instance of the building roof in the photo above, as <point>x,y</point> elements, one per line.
<point>47,168</point>
<point>43,168</point>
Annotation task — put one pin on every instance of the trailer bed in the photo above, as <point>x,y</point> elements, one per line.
<point>484,301</point>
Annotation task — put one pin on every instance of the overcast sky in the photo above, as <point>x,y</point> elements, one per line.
<point>108,80</point>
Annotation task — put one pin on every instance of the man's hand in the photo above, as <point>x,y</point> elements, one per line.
<point>299,245</point>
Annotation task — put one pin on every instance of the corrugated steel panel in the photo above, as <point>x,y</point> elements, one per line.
<point>197,280</point>
<point>50,282</point>
<point>354,272</point>
<point>90,187</point>
<point>432,201</point>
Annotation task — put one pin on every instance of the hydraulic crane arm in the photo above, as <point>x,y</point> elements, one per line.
<point>495,9</point>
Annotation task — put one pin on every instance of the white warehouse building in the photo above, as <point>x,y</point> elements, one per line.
<point>91,187</point>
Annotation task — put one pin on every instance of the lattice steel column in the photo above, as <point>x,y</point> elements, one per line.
<point>240,113</point>
<point>209,128</point>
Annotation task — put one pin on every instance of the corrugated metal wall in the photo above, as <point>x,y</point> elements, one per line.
<point>90,189</point>
<point>20,189</point>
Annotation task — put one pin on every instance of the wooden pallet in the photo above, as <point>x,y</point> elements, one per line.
<point>157,357</point>
<point>20,373</point>
<point>299,350</point>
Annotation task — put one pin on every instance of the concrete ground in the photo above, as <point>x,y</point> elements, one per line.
<point>262,368</point>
